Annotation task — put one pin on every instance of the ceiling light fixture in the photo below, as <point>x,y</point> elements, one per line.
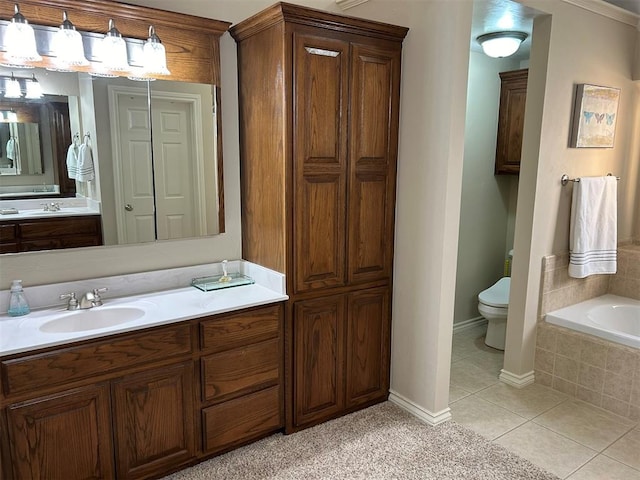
<point>20,41</point>
<point>67,46</point>
<point>12,88</point>
<point>501,44</point>
<point>34,89</point>
<point>113,53</point>
<point>155,55</point>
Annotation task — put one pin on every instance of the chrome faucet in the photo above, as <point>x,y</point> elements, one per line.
<point>89,300</point>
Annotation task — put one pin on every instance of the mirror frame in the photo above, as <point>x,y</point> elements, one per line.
<point>191,42</point>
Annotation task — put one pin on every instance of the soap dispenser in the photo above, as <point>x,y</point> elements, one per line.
<point>18,305</point>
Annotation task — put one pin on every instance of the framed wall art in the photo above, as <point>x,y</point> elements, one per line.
<point>594,116</point>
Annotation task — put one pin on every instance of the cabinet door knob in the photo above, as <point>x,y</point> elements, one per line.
<point>128,207</point>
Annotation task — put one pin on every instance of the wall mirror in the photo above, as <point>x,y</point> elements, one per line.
<point>155,148</point>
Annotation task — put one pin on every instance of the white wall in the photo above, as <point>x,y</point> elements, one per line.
<point>485,236</point>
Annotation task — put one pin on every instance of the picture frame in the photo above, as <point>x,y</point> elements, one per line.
<point>594,116</point>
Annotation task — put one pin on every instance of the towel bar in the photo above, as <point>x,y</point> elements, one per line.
<point>565,179</point>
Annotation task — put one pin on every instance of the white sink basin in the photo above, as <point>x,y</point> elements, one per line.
<point>93,319</point>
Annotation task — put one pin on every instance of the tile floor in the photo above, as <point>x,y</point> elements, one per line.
<point>567,437</point>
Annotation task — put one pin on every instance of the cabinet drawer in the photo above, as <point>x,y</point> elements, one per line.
<point>232,331</point>
<point>60,226</point>
<point>8,233</point>
<point>74,363</point>
<point>242,370</point>
<point>245,418</point>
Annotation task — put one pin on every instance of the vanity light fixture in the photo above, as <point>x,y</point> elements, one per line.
<point>67,46</point>
<point>501,44</point>
<point>20,41</point>
<point>113,53</point>
<point>12,87</point>
<point>34,89</point>
<point>155,55</point>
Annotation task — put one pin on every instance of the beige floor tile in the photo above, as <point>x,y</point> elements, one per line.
<point>603,467</point>
<point>456,393</point>
<point>527,402</point>
<point>547,449</point>
<point>467,375</point>
<point>586,424</point>
<point>490,361</point>
<point>627,449</point>
<point>483,417</point>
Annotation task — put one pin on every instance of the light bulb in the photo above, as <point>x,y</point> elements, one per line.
<point>155,55</point>
<point>113,51</point>
<point>12,89</point>
<point>34,89</point>
<point>67,46</point>
<point>20,41</point>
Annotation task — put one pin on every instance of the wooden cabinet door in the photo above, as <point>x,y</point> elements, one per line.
<point>373,140</point>
<point>513,97</point>
<point>67,435</point>
<point>153,420</point>
<point>318,359</point>
<point>368,344</point>
<point>320,151</point>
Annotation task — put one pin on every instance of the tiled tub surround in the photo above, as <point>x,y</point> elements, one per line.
<point>597,371</point>
<point>559,290</point>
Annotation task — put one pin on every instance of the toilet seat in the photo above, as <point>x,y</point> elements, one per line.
<point>496,295</point>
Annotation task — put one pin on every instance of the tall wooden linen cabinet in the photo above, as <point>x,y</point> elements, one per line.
<point>319,99</point>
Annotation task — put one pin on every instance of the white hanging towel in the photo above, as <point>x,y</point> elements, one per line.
<point>86,172</point>
<point>593,235</point>
<point>72,160</point>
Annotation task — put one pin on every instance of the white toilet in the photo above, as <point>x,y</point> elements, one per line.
<point>493,304</point>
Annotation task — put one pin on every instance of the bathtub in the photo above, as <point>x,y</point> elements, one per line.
<point>610,317</point>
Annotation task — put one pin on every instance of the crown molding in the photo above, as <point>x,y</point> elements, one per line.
<point>608,10</point>
<point>347,4</point>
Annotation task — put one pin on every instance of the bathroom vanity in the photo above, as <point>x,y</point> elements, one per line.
<point>198,374</point>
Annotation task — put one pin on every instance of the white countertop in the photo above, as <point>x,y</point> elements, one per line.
<point>23,334</point>
<point>34,208</point>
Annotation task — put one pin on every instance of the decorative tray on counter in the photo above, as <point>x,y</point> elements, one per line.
<point>206,284</point>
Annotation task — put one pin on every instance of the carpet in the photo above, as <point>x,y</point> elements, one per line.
<point>380,442</point>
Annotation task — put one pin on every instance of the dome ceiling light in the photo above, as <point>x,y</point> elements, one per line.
<point>501,44</point>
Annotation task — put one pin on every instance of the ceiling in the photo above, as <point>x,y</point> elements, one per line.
<point>496,15</point>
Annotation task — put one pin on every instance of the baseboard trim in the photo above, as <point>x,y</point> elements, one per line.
<point>518,381</point>
<point>423,414</point>
<point>472,322</point>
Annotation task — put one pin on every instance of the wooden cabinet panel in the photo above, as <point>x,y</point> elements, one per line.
<point>40,370</point>
<point>368,344</point>
<point>320,161</point>
<point>235,330</point>
<point>319,362</point>
<point>372,159</point>
<point>241,371</point>
<point>153,425</point>
<point>65,436</point>
<point>237,421</point>
<point>513,97</point>
<point>319,103</point>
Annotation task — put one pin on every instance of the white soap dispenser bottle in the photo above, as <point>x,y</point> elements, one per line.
<point>18,305</point>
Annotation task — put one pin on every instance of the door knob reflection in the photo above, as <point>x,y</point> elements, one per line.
<point>128,207</point>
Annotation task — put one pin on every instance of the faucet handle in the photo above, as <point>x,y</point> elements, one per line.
<point>73,301</point>
<point>97,301</point>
